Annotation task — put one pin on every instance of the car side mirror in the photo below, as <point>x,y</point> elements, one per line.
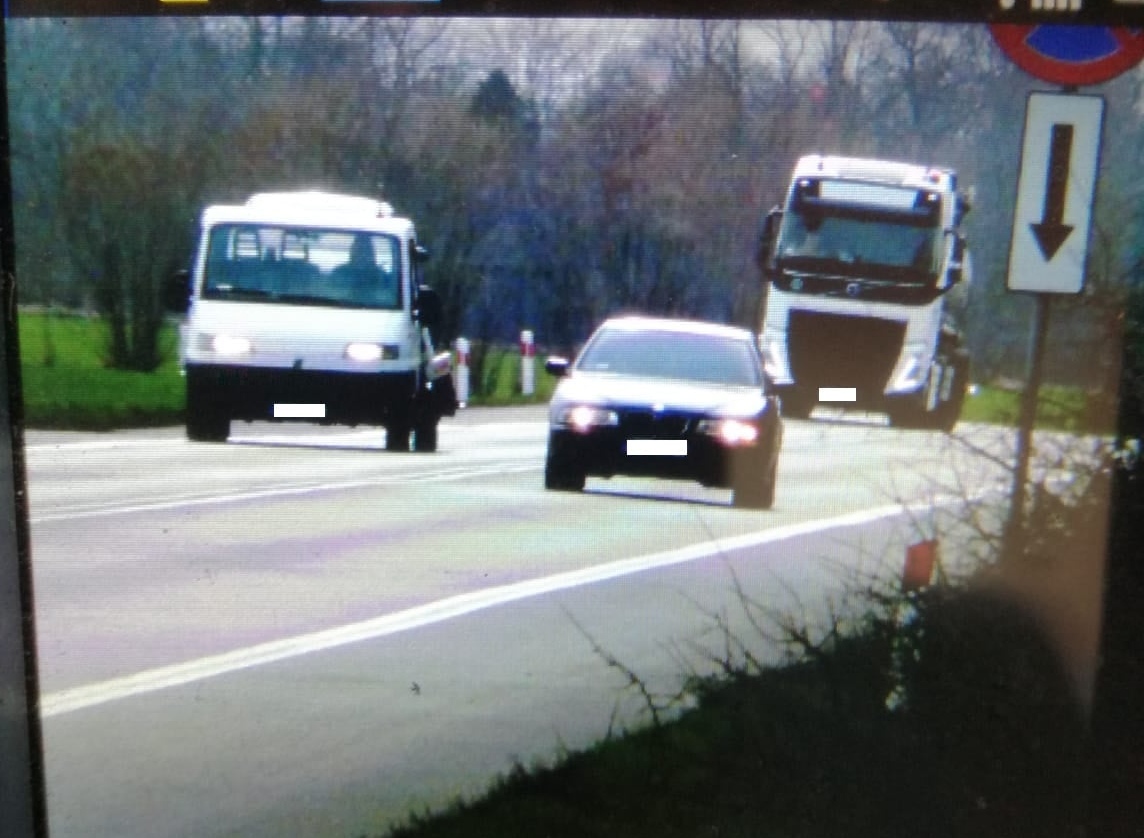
<point>177,294</point>
<point>556,366</point>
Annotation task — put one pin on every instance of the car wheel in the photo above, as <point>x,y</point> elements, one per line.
<point>425,436</point>
<point>755,493</point>
<point>561,473</point>
<point>397,437</point>
<point>205,424</point>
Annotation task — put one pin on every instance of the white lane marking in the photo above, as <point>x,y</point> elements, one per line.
<point>507,429</point>
<point>152,680</point>
<point>442,476</point>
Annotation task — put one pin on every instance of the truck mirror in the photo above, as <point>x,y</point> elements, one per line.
<point>767,239</point>
<point>420,254</point>
<point>429,309</point>
<point>177,294</point>
<point>957,260</point>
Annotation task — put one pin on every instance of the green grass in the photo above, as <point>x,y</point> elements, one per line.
<point>500,380</point>
<point>1059,408</point>
<point>67,385</point>
<point>989,747</point>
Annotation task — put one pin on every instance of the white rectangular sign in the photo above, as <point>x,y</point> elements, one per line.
<point>1059,165</point>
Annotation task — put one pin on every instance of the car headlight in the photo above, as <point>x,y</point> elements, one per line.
<point>230,346</point>
<point>730,431</point>
<point>584,417</point>
<point>368,352</point>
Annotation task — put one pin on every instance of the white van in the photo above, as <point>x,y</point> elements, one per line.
<point>309,306</point>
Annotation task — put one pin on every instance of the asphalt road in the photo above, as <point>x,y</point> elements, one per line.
<point>299,633</point>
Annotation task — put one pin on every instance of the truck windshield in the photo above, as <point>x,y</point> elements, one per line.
<point>852,242</point>
<point>303,266</point>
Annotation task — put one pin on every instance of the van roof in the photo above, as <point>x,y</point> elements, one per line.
<point>310,208</point>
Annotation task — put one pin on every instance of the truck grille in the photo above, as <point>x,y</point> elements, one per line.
<point>831,350</point>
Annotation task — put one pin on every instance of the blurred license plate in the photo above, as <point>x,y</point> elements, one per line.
<point>657,447</point>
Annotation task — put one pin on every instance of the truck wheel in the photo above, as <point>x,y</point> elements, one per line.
<point>397,437</point>
<point>910,416</point>
<point>950,411</point>
<point>796,405</point>
<point>425,436</point>
<point>205,424</point>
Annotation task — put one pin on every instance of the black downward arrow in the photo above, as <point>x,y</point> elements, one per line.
<point>1052,231</point>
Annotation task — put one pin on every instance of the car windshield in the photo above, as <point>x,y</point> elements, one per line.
<point>303,266</point>
<point>685,356</point>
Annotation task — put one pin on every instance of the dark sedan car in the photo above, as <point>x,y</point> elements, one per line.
<point>666,398</point>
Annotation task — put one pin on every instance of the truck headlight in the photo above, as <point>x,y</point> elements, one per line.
<point>730,431</point>
<point>582,417</point>
<point>914,366</point>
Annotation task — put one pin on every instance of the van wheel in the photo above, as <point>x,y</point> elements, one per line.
<point>425,436</point>
<point>397,437</point>
<point>205,425</point>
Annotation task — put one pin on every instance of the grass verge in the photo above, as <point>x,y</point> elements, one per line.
<point>989,744</point>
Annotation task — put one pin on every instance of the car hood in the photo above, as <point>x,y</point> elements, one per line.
<point>683,396</point>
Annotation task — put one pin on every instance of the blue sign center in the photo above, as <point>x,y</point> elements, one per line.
<point>1073,44</point>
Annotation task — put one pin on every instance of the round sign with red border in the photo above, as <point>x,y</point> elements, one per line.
<point>1070,55</point>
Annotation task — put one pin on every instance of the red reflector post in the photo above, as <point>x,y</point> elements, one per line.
<point>920,561</point>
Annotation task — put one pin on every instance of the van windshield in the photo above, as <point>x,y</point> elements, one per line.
<point>303,266</point>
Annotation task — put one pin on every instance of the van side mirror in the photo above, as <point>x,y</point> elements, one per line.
<point>764,256</point>
<point>429,309</point>
<point>177,294</point>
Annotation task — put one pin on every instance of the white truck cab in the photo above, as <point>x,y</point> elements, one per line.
<point>308,306</point>
<point>866,269</point>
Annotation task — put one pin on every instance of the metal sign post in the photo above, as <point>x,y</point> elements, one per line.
<point>1060,163</point>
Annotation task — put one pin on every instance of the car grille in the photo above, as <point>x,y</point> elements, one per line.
<point>648,424</point>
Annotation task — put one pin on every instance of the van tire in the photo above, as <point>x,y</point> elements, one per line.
<point>207,426</point>
<point>425,436</point>
<point>397,437</point>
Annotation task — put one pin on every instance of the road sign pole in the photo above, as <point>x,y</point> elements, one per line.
<point>1013,538</point>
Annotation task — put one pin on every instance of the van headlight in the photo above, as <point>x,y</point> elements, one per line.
<point>582,417</point>
<point>229,346</point>
<point>365,353</point>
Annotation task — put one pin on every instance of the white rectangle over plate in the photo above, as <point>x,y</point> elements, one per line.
<point>657,447</point>
<point>299,411</point>
<point>837,394</point>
